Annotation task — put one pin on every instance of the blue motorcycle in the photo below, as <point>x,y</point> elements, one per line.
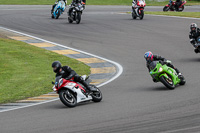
<point>58,9</point>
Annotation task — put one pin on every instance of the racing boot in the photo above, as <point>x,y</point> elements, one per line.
<point>88,87</point>
<point>196,51</point>
<point>179,74</point>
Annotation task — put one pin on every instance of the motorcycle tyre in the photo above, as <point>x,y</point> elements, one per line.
<point>163,80</point>
<point>64,100</point>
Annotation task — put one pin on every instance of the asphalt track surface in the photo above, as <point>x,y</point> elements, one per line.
<point>132,102</point>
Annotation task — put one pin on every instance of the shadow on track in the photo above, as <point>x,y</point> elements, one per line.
<point>157,88</point>
<point>62,106</point>
<point>190,60</point>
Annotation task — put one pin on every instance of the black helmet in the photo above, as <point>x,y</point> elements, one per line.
<point>56,65</point>
<point>193,26</point>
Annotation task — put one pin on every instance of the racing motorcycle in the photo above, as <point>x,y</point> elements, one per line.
<point>75,12</point>
<point>71,93</point>
<point>138,9</point>
<point>167,75</point>
<point>171,6</point>
<point>197,45</point>
<point>58,9</point>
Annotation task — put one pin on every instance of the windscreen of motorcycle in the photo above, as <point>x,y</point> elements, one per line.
<point>152,65</point>
<point>198,40</point>
<point>141,2</point>
<point>57,80</point>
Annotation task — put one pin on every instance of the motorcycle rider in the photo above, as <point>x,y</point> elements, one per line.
<point>149,56</point>
<point>74,2</point>
<point>194,34</point>
<point>178,3</point>
<point>67,73</point>
<point>53,6</point>
<point>134,3</point>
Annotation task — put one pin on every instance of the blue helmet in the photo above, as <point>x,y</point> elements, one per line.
<point>148,56</point>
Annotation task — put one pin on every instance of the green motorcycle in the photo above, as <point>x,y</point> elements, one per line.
<point>165,74</point>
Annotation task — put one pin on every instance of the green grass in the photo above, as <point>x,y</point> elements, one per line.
<point>181,14</point>
<point>26,70</point>
<point>90,2</point>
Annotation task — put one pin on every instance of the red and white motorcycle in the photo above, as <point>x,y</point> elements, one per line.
<point>72,93</point>
<point>138,9</point>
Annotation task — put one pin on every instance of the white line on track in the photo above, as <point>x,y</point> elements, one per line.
<point>173,16</point>
<point>119,71</point>
<point>183,129</point>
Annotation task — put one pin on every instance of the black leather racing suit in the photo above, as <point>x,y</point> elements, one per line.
<point>178,3</point>
<point>193,38</point>
<point>163,61</point>
<point>68,73</point>
<point>76,2</point>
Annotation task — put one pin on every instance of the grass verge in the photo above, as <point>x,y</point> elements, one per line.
<point>26,70</point>
<point>181,14</point>
<point>91,2</point>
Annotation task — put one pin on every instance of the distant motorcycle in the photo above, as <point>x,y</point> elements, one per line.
<point>58,10</point>
<point>171,7</point>
<point>75,13</point>
<point>138,9</point>
<point>72,93</point>
<point>166,75</point>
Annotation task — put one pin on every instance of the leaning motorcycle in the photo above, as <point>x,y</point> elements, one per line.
<point>58,9</point>
<point>167,75</point>
<point>71,93</point>
<point>138,9</point>
<point>75,12</point>
<point>171,7</point>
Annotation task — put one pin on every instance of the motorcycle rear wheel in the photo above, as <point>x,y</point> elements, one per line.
<point>183,81</point>
<point>133,15</point>
<point>165,9</point>
<point>167,82</point>
<point>97,95</point>
<point>67,98</point>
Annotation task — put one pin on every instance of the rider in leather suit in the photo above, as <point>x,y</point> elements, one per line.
<point>53,6</point>
<point>194,34</point>
<point>67,73</point>
<point>149,56</point>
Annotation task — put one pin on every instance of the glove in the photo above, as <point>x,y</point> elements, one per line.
<point>192,41</point>
<point>168,61</point>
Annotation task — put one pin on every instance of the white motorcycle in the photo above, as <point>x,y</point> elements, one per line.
<point>138,9</point>
<point>72,93</point>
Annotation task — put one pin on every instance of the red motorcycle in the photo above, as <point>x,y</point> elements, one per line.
<point>71,93</point>
<point>172,6</point>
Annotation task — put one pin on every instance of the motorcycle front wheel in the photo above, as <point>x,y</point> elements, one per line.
<point>141,15</point>
<point>167,82</point>
<point>69,20</point>
<point>181,9</point>
<point>183,81</point>
<point>78,17</point>
<point>67,98</point>
<point>52,16</point>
